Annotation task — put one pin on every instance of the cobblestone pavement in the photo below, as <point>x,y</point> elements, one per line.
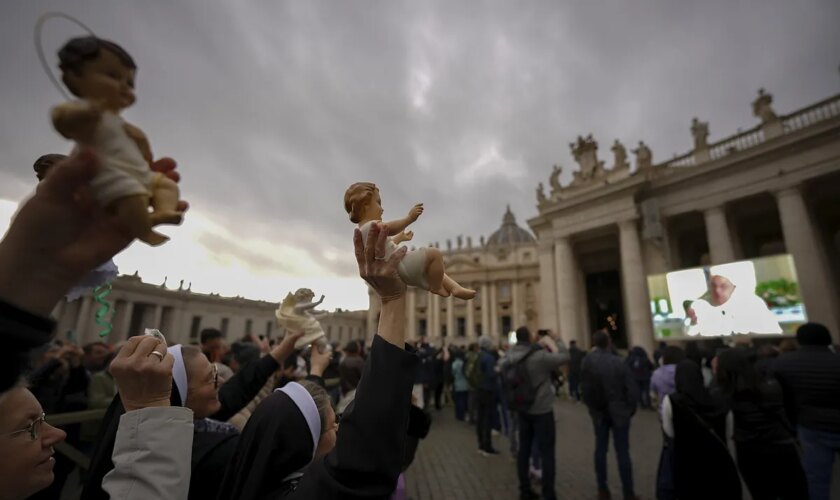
<point>448,466</point>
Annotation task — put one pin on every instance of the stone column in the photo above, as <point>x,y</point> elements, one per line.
<point>634,284</point>
<point>516,306</point>
<point>84,319</point>
<point>124,320</point>
<point>494,312</point>
<point>450,317</point>
<point>412,313</point>
<point>156,317</point>
<point>434,325</point>
<point>176,318</point>
<point>719,236</point>
<point>58,310</point>
<point>470,319</point>
<point>567,294</point>
<point>548,288</point>
<point>801,241</point>
<point>584,321</point>
<point>485,309</point>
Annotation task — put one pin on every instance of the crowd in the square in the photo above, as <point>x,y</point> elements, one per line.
<point>735,419</point>
<point>260,420</point>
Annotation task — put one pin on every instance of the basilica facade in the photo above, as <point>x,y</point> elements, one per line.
<point>773,189</point>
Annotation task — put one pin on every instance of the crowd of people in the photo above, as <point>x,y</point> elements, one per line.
<point>258,419</point>
<point>174,427</point>
<point>765,418</point>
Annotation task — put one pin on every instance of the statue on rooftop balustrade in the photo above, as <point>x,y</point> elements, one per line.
<point>541,198</point>
<point>620,154</point>
<point>762,107</point>
<point>700,132</point>
<point>644,157</point>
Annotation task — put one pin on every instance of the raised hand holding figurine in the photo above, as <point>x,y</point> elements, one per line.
<point>101,74</point>
<point>421,268</point>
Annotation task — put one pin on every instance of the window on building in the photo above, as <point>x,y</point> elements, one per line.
<point>504,290</point>
<point>340,331</point>
<point>421,327</point>
<point>329,330</point>
<point>195,326</point>
<point>443,331</point>
<point>224,327</point>
<point>462,327</point>
<point>268,326</point>
<point>249,324</point>
<point>526,256</point>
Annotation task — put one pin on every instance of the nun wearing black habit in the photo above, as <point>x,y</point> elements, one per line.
<point>285,451</point>
<point>196,385</point>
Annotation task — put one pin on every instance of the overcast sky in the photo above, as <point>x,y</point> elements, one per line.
<point>272,108</point>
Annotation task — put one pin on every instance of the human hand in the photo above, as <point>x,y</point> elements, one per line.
<point>261,343</point>
<point>415,212</point>
<point>72,354</point>
<point>692,315</point>
<point>319,360</point>
<point>59,235</point>
<point>144,379</point>
<point>379,273</point>
<point>286,347</point>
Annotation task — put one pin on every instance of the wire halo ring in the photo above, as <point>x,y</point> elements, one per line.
<point>39,46</point>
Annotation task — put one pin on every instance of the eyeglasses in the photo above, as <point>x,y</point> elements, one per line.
<point>34,429</point>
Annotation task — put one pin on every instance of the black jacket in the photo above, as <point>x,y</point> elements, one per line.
<point>609,389</point>
<point>20,331</point>
<point>810,379</point>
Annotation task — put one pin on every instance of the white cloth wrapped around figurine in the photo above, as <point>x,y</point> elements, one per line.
<point>296,314</point>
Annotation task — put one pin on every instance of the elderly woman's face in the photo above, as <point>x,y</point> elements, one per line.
<point>26,463</point>
<point>721,289</point>
<point>203,387</point>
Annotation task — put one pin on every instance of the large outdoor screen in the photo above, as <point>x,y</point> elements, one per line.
<point>758,296</point>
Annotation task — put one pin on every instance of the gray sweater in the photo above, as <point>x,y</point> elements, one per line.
<point>541,364</point>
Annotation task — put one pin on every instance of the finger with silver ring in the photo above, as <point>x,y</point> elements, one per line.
<point>159,355</point>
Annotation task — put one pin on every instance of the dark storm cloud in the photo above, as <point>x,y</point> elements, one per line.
<point>273,109</point>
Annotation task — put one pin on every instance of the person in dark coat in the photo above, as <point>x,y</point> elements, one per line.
<point>642,369</point>
<point>576,355</point>
<point>765,441</point>
<point>810,380</point>
<point>696,424</point>
<point>611,393</point>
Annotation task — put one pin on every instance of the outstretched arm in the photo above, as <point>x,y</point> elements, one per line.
<point>395,227</point>
<point>369,450</point>
<point>308,305</point>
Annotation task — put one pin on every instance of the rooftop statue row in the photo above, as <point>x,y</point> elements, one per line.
<point>592,173</point>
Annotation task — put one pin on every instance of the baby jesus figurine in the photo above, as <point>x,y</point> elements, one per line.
<point>421,268</point>
<point>297,314</point>
<point>101,74</point>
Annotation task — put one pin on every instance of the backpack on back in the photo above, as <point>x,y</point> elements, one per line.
<point>521,391</point>
<point>472,370</point>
